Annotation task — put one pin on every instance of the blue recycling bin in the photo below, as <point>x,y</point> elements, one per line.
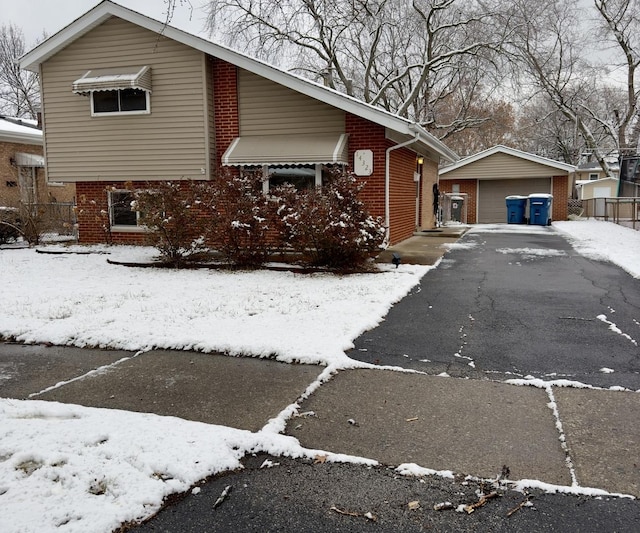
<point>516,209</point>
<point>540,209</point>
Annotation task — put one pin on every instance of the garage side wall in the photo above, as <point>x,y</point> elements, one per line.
<point>560,209</point>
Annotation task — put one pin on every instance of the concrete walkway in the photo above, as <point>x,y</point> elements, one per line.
<point>424,247</point>
<point>470,427</point>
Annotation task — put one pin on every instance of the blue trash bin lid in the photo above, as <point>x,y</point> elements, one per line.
<point>515,197</point>
<point>540,195</point>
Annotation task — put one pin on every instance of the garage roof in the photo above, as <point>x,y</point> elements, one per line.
<point>500,149</point>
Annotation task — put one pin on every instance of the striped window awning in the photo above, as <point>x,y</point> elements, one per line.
<point>251,150</point>
<point>113,79</point>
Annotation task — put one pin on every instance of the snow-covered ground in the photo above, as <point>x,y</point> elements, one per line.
<point>68,468</point>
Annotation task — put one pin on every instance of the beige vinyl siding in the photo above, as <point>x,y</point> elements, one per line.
<point>170,142</point>
<point>267,108</point>
<point>501,166</point>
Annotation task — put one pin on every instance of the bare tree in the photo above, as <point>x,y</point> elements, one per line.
<point>543,130</point>
<point>619,25</point>
<point>547,45</point>
<point>498,126</point>
<point>406,57</point>
<point>19,89</point>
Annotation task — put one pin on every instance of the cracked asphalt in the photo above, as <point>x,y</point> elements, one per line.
<point>509,305</point>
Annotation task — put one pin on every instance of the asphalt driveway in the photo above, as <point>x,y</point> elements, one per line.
<point>505,305</point>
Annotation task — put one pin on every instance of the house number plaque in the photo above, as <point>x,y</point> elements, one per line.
<point>363,162</point>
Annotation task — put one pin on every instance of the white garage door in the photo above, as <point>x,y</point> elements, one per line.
<point>492,206</point>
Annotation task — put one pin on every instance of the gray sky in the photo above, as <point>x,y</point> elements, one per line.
<point>36,16</point>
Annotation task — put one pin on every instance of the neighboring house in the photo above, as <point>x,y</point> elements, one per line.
<point>593,171</point>
<point>22,177</point>
<point>126,98</point>
<point>486,178</point>
<point>591,181</point>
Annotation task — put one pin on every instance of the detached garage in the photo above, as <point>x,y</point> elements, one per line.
<point>489,176</point>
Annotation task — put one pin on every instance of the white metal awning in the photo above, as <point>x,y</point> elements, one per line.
<point>327,148</point>
<point>29,160</point>
<point>114,78</point>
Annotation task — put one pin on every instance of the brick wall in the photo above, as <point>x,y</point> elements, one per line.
<point>225,102</point>
<point>9,195</point>
<point>560,208</point>
<point>403,192</point>
<point>365,135</point>
<point>469,187</point>
<point>93,214</point>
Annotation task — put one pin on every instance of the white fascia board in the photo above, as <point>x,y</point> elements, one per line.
<point>510,151</point>
<point>48,48</point>
<point>106,9</point>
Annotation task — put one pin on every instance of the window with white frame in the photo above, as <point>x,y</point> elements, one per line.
<point>114,91</point>
<point>122,215</point>
<point>593,176</point>
<point>120,101</point>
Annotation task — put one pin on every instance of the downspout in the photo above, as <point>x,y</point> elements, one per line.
<point>387,180</point>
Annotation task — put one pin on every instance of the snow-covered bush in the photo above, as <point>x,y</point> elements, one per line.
<point>172,215</point>
<point>240,219</point>
<point>329,226</point>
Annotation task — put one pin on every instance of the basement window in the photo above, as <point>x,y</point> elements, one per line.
<point>122,215</point>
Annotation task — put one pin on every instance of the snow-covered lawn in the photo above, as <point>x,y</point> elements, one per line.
<point>68,468</point>
<point>81,300</point>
